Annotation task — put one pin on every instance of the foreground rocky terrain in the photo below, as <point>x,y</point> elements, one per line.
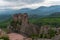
<point>21,29</point>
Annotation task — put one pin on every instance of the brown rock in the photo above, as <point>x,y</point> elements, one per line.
<point>15,36</point>
<point>2,33</point>
<point>22,26</point>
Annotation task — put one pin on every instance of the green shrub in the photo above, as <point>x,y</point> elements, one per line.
<point>4,38</point>
<point>51,33</point>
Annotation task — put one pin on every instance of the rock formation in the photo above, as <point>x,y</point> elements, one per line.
<point>15,36</point>
<point>20,24</point>
<point>2,33</point>
<point>57,37</point>
<point>12,27</point>
<point>44,29</point>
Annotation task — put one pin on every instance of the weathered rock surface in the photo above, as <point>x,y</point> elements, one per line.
<point>15,36</point>
<point>2,33</point>
<point>22,26</point>
<point>57,37</point>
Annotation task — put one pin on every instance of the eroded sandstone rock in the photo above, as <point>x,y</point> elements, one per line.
<point>21,25</point>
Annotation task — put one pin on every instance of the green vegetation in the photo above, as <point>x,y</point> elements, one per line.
<point>34,36</point>
<point>3,24</point>
<point>53,22</point>
<point>4,38</point>
<point>51,33</point>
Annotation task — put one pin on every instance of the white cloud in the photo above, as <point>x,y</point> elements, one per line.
<point>9,4</point>
<point>25,1</point>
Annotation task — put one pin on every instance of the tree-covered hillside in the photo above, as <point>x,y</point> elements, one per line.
<point>53,21</point>
<point>38,21</point>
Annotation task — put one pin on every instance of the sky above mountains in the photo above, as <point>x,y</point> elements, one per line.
<point>18,4</point>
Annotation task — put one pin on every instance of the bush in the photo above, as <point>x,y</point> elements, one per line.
<point>4,38</point>
<point>51,33</point>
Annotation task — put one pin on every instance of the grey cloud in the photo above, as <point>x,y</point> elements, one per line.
<point>19,3</point>
<point>26,1</point>
<point>10,0</point>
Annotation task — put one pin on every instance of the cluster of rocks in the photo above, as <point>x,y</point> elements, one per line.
<point>44,29</point>
<point>57,30</point>
<point>20,24</point>
<point>49,31</point>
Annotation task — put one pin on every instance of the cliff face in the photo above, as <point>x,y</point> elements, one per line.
<point>21,25</point>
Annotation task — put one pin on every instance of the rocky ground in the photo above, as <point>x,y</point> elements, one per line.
<point>15,36</point>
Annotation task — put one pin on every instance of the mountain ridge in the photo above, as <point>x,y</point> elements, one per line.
<point>40,12</point>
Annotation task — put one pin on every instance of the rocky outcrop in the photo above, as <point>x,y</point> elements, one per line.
<point>2,33</point>
<point>57,37</point>
<point>44,29</point>
<point>15,36</point>
<point>21,25</point>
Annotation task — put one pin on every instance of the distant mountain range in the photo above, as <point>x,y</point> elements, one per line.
<point>56,14</point>
<point>39,12</point>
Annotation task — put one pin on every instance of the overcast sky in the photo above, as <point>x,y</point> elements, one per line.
<point>18,4</point>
